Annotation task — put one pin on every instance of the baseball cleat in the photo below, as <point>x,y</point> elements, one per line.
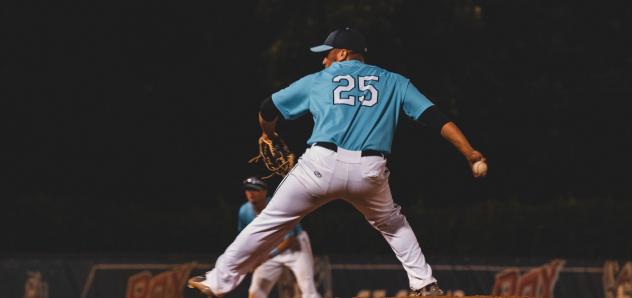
<point>196,283</point>
<point>429,290</point>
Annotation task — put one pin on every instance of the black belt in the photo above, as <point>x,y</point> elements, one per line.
<point>334,147</point>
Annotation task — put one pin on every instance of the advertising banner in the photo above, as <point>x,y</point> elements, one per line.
<point>335,276</point>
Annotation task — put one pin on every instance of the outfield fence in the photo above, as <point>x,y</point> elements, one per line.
<point>336,276</point>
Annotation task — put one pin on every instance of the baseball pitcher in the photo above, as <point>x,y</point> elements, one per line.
<point>356,108</point>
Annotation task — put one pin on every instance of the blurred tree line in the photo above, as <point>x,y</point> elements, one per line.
<point>133,125</point>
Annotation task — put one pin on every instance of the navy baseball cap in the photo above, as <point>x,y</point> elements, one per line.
<point>345,38</point>
<point>254,183</point>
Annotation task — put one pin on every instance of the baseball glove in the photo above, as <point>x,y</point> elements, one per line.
<point>276,156</point>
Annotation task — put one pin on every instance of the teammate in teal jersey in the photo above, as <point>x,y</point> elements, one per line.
<point>355,107</point>
<point>294,252</point>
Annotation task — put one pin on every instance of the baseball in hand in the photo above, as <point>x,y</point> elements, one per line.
<point>479,168</point>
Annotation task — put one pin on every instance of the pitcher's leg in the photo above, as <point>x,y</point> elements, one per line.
<point>385,216</point>
<point>290,203</point>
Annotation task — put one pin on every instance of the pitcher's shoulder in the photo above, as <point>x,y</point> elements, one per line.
<point>386,72</point>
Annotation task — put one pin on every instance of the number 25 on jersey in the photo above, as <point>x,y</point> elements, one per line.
<point>364,85</point>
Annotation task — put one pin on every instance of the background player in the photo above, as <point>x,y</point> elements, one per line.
<point>355,107</point>
<point>294,252</point>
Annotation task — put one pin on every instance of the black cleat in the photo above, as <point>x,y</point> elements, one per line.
<point>429,290</point>
<point>196,283</point>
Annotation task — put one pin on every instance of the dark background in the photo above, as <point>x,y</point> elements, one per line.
<point>129,127</point>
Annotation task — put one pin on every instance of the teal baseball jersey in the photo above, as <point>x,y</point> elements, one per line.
<point>354,105</point>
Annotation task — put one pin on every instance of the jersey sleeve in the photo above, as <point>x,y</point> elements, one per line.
<point>293,101</point>
<point>242,222</point>
<point>415,103</point>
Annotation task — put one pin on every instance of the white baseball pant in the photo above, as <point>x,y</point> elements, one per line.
<point>301,263</point>
<point>322,175</point>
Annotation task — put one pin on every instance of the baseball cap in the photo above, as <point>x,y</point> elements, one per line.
<point>254,183</point>
<point>345,38</point>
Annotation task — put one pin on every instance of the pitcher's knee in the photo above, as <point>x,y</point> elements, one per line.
<point>388,223</point>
